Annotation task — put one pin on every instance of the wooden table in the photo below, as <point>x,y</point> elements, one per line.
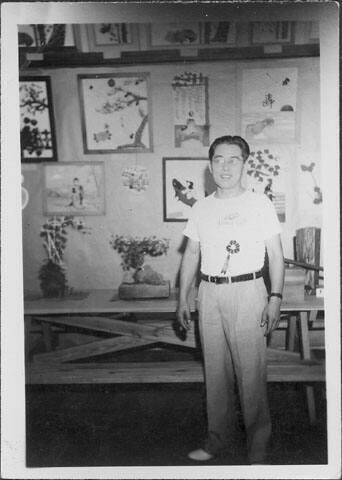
<point>103,311</point>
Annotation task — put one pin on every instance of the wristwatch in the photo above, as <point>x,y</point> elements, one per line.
<point>275,294</point>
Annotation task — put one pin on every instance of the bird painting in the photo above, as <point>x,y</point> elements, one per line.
<point>184,193</point>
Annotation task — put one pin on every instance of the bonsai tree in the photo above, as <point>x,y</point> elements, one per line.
<point>52,276</point>
<point>133,251</point>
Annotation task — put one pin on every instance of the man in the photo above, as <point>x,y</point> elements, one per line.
<point>230,230</point>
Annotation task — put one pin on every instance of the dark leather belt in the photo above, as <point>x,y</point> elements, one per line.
<point>237,278</point>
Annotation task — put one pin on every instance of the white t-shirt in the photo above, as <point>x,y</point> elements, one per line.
<point>242,223</point>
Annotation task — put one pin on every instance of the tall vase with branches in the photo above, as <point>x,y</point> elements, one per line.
<point>52,274</point>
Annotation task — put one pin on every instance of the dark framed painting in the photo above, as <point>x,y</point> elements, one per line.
<point>185,180</point>
<point>41,37</point>
<point>116,112</point>
<point>74,188</point>
<point>218,33</point>
<point>37,130</point>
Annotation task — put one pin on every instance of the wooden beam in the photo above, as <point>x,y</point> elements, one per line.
<point>157,334</point>
<point>157,372</point>
<point>91,349</point>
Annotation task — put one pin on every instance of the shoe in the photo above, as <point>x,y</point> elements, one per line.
<point>200,455</point>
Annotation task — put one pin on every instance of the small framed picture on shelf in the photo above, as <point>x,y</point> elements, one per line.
<point>112,33</point>
<point>174,34</point>
<point>218,33</point>
<point>116,112</point>
<point>73,188</point>
<point>185,180</point>
<point>47,36</point>
<point>271,32</point>
<point>37,131</point>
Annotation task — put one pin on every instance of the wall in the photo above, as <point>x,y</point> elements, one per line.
<point>90,260</point>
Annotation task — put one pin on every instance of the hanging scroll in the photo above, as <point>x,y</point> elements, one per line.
<point>190,102</point>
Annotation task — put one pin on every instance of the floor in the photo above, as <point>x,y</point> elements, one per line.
<point>156,425</point>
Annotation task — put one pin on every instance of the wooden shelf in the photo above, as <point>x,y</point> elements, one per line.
<point>73,59</point>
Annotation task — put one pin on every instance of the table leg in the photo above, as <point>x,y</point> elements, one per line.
<point>27,330</point>
<point>291,333</point>
<point>306,354</point>
<point>47,336</point>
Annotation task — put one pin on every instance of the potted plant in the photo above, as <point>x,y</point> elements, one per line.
<point>52,274</point>
<point>140,280</point>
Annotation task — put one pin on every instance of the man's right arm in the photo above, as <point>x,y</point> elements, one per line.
<point>187,273</point>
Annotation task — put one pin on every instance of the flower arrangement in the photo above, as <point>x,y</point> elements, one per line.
<point>53,281</point>
<point>133,251</point>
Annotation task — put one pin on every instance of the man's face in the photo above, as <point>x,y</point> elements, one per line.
<point>227,166</point>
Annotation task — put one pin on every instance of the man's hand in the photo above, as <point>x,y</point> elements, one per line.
<point>184,315</point>
<point>271,315</point>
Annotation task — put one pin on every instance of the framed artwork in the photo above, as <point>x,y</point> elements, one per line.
<point>269,105</point>
<point>271,32</point>
<point>185,180</point>
<point>175,34</point>
<point>112,38</point>
<point>112,33</point>
<point>116,112</point>
<point>190,107</point>
<point>266,171</point>
<point>218,33</point>
<point>46,36</point>
<point>37,131</point>
<point>74,188</point>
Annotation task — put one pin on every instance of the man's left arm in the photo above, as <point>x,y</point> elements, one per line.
<point>271,313</point>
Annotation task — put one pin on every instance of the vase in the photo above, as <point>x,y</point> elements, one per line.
<point>53,281</point>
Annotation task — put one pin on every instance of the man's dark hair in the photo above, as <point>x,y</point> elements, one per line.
<point>230,140</point>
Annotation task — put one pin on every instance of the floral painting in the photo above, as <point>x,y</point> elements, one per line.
<point>37,135</point>
<point>185,180</point>
<point>112,33</point>
<point>269,105</point>
<point>116,112</point>
<point>75,188</point>
<point>265,172</point>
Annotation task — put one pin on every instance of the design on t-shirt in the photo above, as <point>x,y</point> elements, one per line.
<point>232,247</point>
<point>230,219</point>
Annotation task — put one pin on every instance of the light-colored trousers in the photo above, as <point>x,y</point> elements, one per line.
<point>234,346</point>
